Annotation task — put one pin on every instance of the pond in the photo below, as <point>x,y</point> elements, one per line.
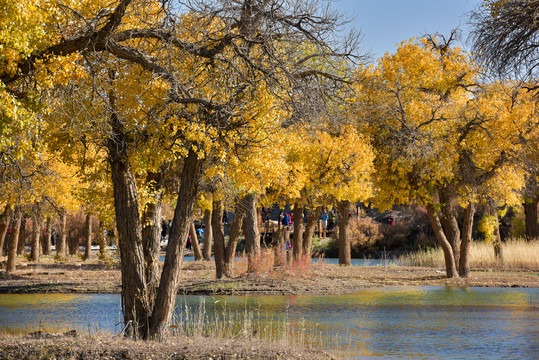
<point>393,322</point>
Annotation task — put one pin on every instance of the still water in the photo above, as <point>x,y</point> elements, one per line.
<point>389,323</point>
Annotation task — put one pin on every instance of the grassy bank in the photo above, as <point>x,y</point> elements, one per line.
<point>65,347</point>
<point>518,255</point>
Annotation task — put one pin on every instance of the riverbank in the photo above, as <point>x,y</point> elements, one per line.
<point>74,276</point>
<point>73,346</point>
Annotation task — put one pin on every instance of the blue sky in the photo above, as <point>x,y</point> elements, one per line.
<point>386,22</point>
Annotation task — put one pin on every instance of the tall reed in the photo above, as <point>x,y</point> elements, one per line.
<point>518,254</point>
<point>217,320</point>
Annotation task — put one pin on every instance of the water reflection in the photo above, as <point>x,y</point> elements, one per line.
<point>398,322</point>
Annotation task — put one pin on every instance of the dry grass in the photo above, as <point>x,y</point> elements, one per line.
<point>518,254</point>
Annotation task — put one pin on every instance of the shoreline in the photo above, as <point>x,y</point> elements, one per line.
<point>198,278</point>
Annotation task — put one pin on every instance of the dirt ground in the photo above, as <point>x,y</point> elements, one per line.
<point>199,278</point>
<point>38,346</point>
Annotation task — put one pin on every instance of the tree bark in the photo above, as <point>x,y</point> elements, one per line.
<point>218,238</point>
<point>73,246</point>
<point>297,239</point>
<point>235,229</point>
<point>450,265</point>
<point>530,212</point>
<point>450,223</point>
<point>14,240</point>
<point>194,241</point>
<point>151,236</point>
<point>62,236</point>
<point>135,302</point>
<point>22,237</point>
<point>4,226</point>
<point>498,253</point>
<point>183,216</point>
<point>345,256</point>
<point>88,236</point>
<point>252,235</point>
<point>47,237</point>
<point>467,225</point>
<point>280,247</point>
<point>309,231</point>
<point>208,236</point>
<point>36,232</point>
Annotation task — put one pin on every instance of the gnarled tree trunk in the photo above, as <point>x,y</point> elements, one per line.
<point>208,236</point>
<point>22,236</point>
<point>297,239</point>
<point>218,238</point>
<point>252,233</point>
<point>530,212</point>
<point>135,303</point>
<point>309,231</point>
<point>194,241</point>
<point>183,216</point>
<point>450,265</point>
<point>235,229</point>
<point>467,224</point>
<point>14,240</point>
<point>450,223</point>
<point>151,236</point>
<point>62,236</point>
<point>36,232</point>
<point>345,256</point>
<point>4,225</point>
<point>88,237</point>
<point>47,237</point>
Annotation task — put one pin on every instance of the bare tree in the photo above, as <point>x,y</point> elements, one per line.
<point>505,36</point>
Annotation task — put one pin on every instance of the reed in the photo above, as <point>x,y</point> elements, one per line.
<point>517,254</point>
<point>217,320</point>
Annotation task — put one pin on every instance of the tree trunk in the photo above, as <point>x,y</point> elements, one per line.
<point>450,223</point>
<point>88,236</point>
<point>345,256</point>
<point>194,241</point>
<point>218,238</point>
<point>62,236</point>
<point>309,231</point>
<point>14,240</point>
<point>151,236</point>
<point>498,253</point>
<point>235,229</point>
<point>297,239</point>
<point>208,236</point>
<point>450,265</point>
<point>22,237</point>
<point>467,225</point>
<point>183,217</point>
<point>135,302</point>
<point>280,246</point>
<point>36,232</point>
<point>4,226</point>
<point>530,211</point>
<point>47,237</point>
<point>252,235</point>
<point>102,239</point>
